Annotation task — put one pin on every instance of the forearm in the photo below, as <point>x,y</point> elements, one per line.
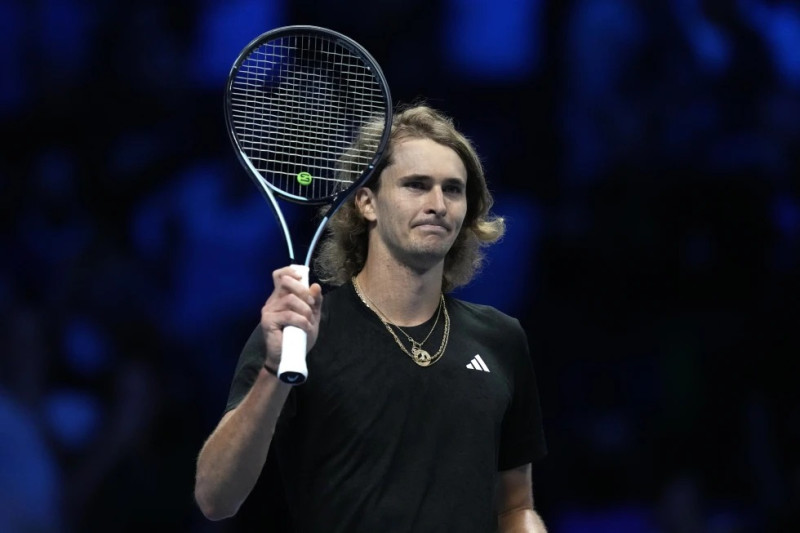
<point>520,521</point>
<point>233,456</point>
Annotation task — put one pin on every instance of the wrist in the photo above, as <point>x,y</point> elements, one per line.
<point>270,368</point>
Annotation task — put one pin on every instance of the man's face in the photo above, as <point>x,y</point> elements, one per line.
<point>421,203</point>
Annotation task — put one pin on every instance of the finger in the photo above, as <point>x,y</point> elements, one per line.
<point>315,292</point>
<point>290,318</point>
<point>279,275</point>
<point>290,285</point>
<point>299,305</point>
<point>289,302</point>
<point>295,286</point>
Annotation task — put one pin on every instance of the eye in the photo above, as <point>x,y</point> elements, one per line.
<point>454,189</point>
<point>415,184</point>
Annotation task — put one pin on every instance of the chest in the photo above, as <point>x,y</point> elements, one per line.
<point>363,387</point>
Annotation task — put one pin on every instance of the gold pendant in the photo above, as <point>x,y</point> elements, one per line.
<point>421,357</point>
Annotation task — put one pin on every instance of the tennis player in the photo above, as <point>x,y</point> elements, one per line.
<point>421,411</point>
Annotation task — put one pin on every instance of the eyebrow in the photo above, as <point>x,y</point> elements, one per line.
<point>452,179</point>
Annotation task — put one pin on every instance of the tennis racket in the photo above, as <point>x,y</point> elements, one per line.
<point>297,100</point>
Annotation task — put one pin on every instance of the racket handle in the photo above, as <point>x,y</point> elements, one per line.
<point>293,369</point>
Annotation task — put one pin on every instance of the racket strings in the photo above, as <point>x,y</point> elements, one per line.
<point>298,104</point>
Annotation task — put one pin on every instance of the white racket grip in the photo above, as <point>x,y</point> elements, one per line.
<point>293,369</point>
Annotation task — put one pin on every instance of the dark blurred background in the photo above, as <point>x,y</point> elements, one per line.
<point>645,155</point>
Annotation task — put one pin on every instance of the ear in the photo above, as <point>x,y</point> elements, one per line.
<point>365,203</point>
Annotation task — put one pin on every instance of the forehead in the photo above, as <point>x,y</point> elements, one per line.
<point>425,157</point>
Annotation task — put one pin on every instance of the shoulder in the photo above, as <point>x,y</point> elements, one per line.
<point>339,305</point>
<point>334,296</point>
<point>485,321</point>
<point>484,316</point>
<point>335,291</point>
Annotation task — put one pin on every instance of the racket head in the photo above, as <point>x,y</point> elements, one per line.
<point>296,100</point>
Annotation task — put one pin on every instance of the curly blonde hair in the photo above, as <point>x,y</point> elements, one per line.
<point>343,250</point>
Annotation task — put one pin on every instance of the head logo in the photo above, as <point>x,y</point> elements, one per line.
<point>304,178</point>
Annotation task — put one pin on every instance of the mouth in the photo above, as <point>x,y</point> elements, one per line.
<point>433,227</point>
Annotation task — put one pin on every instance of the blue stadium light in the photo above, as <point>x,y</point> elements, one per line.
<point>225,29</point>
<point>494,39</point>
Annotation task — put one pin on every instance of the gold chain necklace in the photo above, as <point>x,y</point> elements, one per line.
<point>417,353</point>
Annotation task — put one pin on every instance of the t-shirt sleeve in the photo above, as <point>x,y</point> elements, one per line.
<point>251,359</point>
<point>249,365</point>
<point>522,433</point>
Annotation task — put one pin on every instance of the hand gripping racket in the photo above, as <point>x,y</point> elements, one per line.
<point>296,101</point>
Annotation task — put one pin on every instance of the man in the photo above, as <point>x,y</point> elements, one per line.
<point>421,411</point>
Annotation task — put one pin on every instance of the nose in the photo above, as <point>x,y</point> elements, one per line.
<point>436,202</point>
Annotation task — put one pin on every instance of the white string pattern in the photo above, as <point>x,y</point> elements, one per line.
<point>297,105</point>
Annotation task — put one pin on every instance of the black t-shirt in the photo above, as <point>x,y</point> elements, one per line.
<point>373,442</point>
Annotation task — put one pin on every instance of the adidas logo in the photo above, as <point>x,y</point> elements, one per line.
<point>478,364</point>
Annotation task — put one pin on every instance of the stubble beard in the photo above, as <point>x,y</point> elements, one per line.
<point>424,253</point>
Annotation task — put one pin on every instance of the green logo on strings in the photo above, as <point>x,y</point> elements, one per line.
<point>304,178</point>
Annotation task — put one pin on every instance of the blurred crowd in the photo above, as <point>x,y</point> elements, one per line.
<point>645,156</point>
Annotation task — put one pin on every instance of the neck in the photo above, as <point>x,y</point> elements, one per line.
<point>406,297</point>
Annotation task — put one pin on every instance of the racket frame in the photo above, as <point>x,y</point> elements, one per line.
<point>268,190</point>
<point>293,369</point>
